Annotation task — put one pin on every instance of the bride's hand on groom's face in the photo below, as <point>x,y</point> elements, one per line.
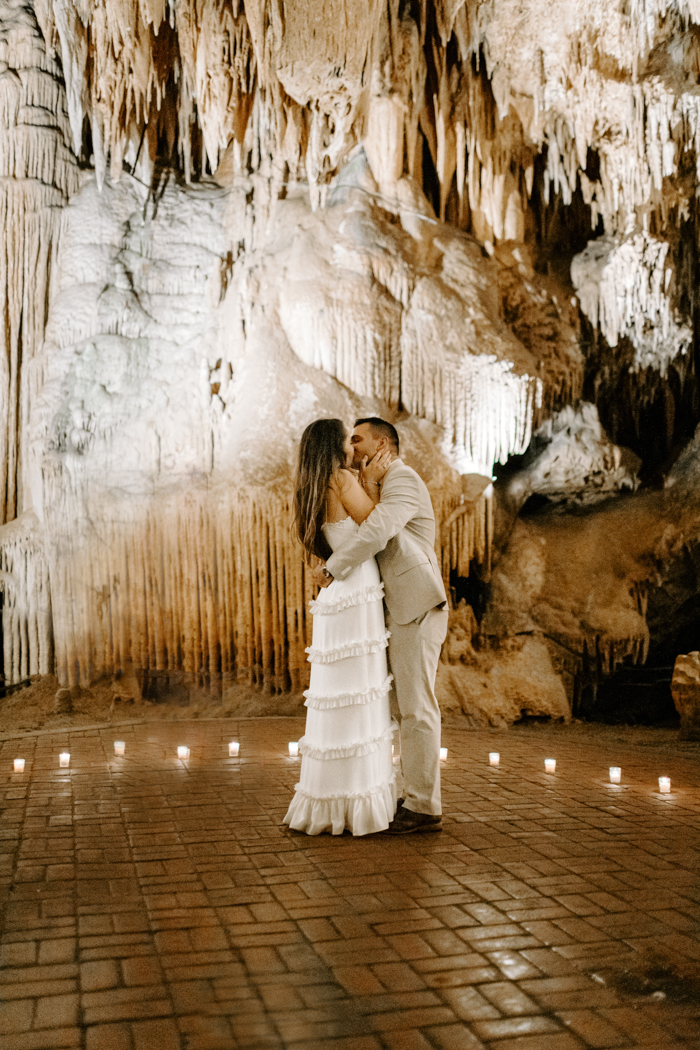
<point>376,468</point>
<point>318,577</point>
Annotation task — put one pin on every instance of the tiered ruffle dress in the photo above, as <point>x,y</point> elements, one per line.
<point>347,773</point>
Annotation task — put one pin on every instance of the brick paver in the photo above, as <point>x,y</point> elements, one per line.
<point>151,903</point>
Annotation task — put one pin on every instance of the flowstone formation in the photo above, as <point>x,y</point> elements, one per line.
<point>225,219</point>
<point>685,687</point>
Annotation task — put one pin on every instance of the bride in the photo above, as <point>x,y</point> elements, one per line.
<point>347,774</point>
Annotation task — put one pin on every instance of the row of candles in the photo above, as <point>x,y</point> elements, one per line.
<point>183,753</point>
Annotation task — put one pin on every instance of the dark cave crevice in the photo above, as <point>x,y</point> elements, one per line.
<point>556,232</point>
<point>472,589</point>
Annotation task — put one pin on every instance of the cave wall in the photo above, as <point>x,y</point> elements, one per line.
<point>224,219</point>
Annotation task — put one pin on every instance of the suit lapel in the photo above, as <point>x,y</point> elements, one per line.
<point>397,462</point>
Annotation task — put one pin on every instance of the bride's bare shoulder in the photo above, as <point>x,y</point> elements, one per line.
<point>342,480</point>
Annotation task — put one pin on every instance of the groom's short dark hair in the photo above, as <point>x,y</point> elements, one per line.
<point>381,429</point>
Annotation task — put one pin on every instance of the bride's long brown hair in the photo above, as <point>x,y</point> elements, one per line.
<point>321,453</point>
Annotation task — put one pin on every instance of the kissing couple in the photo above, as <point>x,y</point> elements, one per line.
<point>368,517</point>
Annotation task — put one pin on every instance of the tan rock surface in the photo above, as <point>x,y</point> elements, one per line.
<point>685,689</point>
<point>498,687</point>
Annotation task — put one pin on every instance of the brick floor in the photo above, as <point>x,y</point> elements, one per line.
<point>151,903</point>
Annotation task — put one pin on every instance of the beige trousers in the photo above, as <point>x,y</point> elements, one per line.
<point>414,651</point>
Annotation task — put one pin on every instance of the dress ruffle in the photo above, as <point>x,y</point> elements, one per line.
<point>371,593</point>
<point>364,747</point>
<point>362,813</point>
<point>342,652</point>
<point>346,779</point>
<point>321,702</point>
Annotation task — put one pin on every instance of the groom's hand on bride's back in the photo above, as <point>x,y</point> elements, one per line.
<point>321,576</point>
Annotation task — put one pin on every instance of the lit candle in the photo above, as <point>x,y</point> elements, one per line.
<point>293,748</point>
<point>233,749</point>
<point>664,785</point>
<point>183,752</point>
<point>443,754</point>
<point>64,759</point>
<point>550,765</point>
<point>119,747</point>
<point>615,774</point>
<point>494,758</point>
<point>19,765</point>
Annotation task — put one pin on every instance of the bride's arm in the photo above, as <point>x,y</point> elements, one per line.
<point>359,496</point>
<point>355,500</point>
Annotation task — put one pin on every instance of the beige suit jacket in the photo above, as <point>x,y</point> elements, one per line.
<point>400,533</point>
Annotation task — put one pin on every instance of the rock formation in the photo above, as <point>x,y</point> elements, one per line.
<point>685,688</point>
<point>224,219</point>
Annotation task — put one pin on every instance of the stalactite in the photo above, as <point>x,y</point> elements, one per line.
<point>485,407</point>
<point>37,175</point>
<point>624,287</point>
<point>218,71</point>
<point>465,531</point>
<point>119,60</point>
<point>301,85</point>
<point>352,337</point>
<point>460,371</point>
<point>211,585</point>
<point>364,314</point>
<point>27,622</point>
<point>542,317</point>
<point>161,552</point>
<point>404,312</point>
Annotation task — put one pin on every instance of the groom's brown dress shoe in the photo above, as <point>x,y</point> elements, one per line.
<point>406,822</point>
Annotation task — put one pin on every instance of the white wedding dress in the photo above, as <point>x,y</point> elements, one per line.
<point>347,773</point>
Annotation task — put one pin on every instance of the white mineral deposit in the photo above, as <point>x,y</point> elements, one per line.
<point>220,223</point>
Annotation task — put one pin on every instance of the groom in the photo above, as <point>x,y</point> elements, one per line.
<point>400,531</point>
